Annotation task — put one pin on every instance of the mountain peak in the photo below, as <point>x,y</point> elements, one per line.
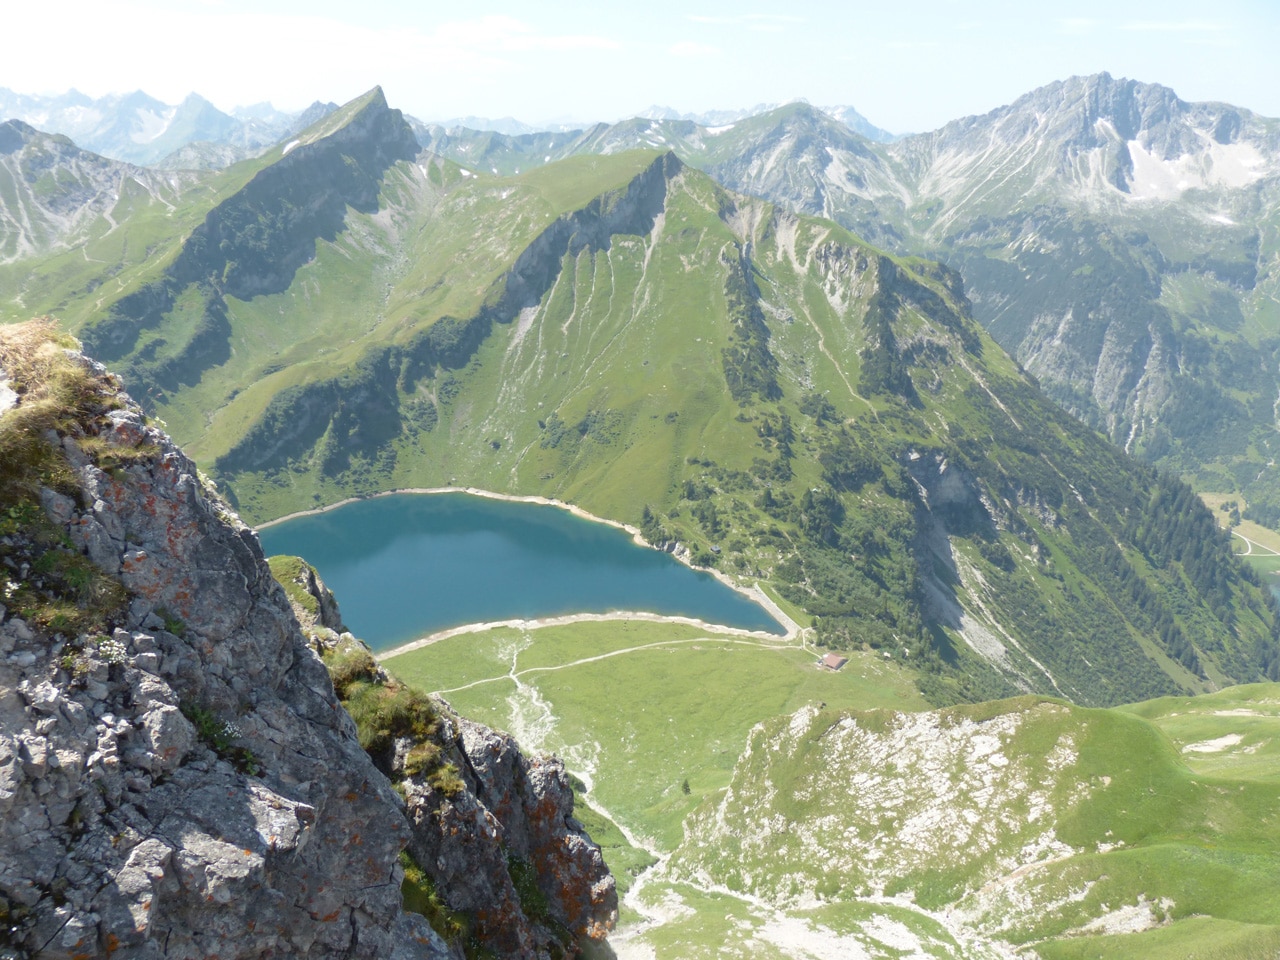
<point>14,135</point>
<point>367,114</point>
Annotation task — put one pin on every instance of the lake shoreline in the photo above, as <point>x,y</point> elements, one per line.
<point>754,593</point>
<point>614,616</point>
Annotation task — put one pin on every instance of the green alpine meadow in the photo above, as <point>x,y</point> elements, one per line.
<point>1116,239</point>
<point>1029,702</point>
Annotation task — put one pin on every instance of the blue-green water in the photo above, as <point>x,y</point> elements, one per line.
<point>408,565</point>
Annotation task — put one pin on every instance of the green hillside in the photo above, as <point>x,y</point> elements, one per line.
<point>1034,823</point>
<point>783,400</point>
<point>1120,242</point>
<point>825,814</point>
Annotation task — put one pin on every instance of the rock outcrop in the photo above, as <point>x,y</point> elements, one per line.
<point>313,603</point>
<point>507,850</point>
<point>179,779</point>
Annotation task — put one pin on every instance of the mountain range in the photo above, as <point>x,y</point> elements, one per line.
<point>1118,241</point>
<point>348,313</point>
<point>195,134</point>
<point>140,129</point>
<point>731,337</point>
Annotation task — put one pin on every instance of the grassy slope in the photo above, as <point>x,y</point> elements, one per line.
<point>686,716</point>
<point>1147,269</point>
<point>632,334</point>
<point>119,253</point>
<point>436,248</point>
<point>1028,822</point>
<point>612,392</point>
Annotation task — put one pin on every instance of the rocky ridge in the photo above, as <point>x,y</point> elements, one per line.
<point>180,780</point>
<point>56,193</point>
<point>493,830</point>
<point>140,129</point>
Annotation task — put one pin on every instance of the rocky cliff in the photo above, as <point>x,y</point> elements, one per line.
<point>495,858</point>
<point>177,776</point>
<point>53,194</point>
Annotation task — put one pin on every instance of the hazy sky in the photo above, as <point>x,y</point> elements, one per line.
<point>905,65</point>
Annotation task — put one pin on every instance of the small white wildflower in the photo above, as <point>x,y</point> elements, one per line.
<point>112,650</point>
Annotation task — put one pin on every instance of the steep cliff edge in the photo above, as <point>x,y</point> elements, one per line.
<point>177,776</point>
<point>496,858</point>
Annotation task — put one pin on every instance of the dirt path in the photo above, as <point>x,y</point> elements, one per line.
<point>515,674</point>
<point>1251,545</point>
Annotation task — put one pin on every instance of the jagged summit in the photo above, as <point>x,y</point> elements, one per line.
<point>1086,134</point>
<point>366,121</point>
<point>137,128</point>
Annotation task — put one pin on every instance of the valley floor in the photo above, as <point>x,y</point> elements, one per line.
<point>658,722</point>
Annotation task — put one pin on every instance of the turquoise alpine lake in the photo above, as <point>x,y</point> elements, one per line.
<point>408,565</point>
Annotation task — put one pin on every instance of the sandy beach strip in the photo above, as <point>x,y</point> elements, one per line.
<point>614,616</point>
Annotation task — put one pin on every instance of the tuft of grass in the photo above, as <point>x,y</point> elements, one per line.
<point>422,897</point>
<point>56,393</point>
<point>348,665</point>
<point>172,623</point>
<point>59,395</point>
<point>291,573</point>
<point>445,778</point>
<point>422,757</point>
<point>386,710</point>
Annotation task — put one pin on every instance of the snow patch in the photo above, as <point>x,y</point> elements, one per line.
<point>715,131</point>
<point>153,125</point>
<point>1218,165</point>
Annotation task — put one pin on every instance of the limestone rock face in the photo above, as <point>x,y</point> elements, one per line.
<point>187,785</point>
<point>325,613</point>
<point>507,850</point>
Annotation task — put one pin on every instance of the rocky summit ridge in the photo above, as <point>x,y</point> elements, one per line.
<point>177,775</point>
